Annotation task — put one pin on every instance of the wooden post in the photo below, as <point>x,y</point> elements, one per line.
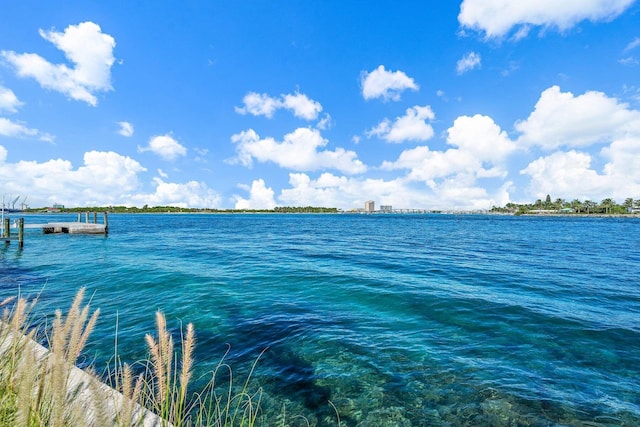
<point>86,217</point>
<point>95,217</point>
<point>7,230</point>
<point>106,223</point>
<point>21,232</point>
<point>79,216</point>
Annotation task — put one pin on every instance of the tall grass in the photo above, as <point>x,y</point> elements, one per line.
<point>40,387</point>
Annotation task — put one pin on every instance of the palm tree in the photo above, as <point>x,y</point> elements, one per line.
<point>588,205</point>
<point>607,204</point>
<point>559,203</point>
<point>628,203</point>
<point>576,205</point>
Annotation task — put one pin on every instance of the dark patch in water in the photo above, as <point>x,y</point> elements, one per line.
<point>281,369</point>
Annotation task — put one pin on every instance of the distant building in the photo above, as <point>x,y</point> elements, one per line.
<point>369,206</point>
<point>386,208</point>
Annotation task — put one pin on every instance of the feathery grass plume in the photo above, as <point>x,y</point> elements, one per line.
<point>68,337</point>
<point>131,393</point>
<point>101,414</point>
<point>7,396</point>
<point>162,359</point>
<point>188,345</point>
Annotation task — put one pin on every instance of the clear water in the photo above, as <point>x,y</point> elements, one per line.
<point>399,320</point>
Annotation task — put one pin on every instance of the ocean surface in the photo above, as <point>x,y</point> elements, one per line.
<point>398,320</point>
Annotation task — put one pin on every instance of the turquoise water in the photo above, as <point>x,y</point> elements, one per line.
<point>399,320</point>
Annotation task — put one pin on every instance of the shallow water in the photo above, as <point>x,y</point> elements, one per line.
<point>399,320</point>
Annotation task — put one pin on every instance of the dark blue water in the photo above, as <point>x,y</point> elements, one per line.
<point>399,320</point>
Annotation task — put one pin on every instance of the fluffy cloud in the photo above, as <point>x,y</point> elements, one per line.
<point>480,150</point>
<point>264,105</point>
<point>410,127</point>
<point>104,177</point>
<point>384,84</point>
<point>86,47</point>
<point>301,106</point>
<point>13,129</point>
<point>567,175</point>
<point>260,197</point>
<point>300,150</point>
<point>8,100</point>
<point>126,129</point>
<point>481,137</point>
<point>352,192</point>
<point>562,119</point>
<point>341,191</point>
<point>468,62</point>
<point>165,146</point>
<point>623,157</point>
<point>496,18</point>
<point>192,194</point>
<point>432,167</point>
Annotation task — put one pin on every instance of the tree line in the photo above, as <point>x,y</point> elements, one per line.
<point>176,209</point>
<point>606,206</point>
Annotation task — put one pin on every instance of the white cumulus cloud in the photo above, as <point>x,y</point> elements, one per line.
<point>8,100</point>
<point>567,174</point>
<point>13,129</point>
<point>468,62</point>
<point>165,146</point>
<point>351,192</point>
<point>412,126</point>
<point>104,178</point>
<point>301,106</point>
<point>192,194</point>
<point>496,18</point>
<point>126,129</point>
<point>86,47</point>
<point>562,119</point>
<point>261,104</point>
<point>481,149</point>
<point>260,197</point>
<point>480,136</point>
<point>300,150</point>
<point>384,84</point>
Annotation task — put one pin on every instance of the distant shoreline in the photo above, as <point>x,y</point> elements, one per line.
<point>239,212</point>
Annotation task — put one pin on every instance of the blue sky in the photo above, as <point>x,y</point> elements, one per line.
<point>256,104</point>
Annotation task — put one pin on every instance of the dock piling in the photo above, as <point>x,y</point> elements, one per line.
<point>21,232</point>
<point>7,230</point>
